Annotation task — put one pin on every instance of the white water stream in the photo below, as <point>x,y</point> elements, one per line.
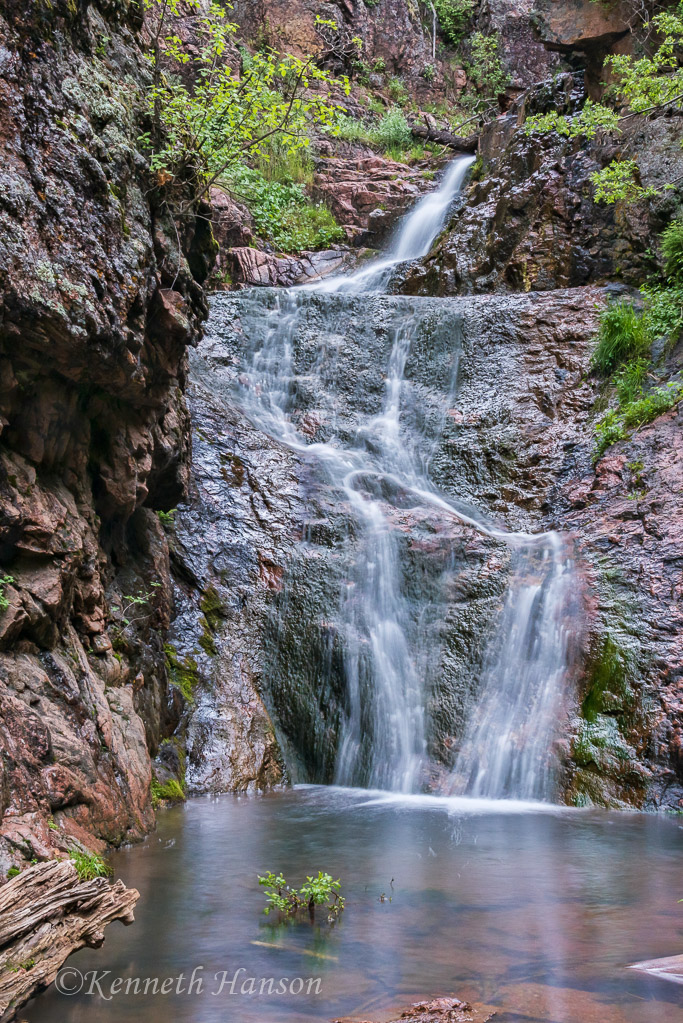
<point>504,751</point>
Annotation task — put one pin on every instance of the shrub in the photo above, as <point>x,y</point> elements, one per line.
<point>453,16</point>
<point>393,131</point>
<point>398,91</point>
<point>316,891</point>
<point>89,865</point>
<point>200,132</point>
<point>485,66</point>
<point>622,335</point>
<point>672,250</point>
<point>283,214</point>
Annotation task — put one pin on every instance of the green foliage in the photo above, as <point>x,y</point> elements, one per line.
<point>283,214</point>
<point>672,250</point>
<point>616,424</point>
<point>663,311</point>
<point>622,335</point>
<point>320,890</point>
<point>453,16</point>
<point>167,519</point>
<point>594,117</point>
<point>89,865</point>
<point>351,130</point>
<point>13,872</point>
<point>641,84</point>
<point>393,131</point>
<point>6,580</point>
<point>625,339</point>
<point>631,379</point>
<point>278,163</point>
<point>171,791</point>
<point>397,91</point>
<point>201,131</point>
<point>485,66</point>
<point>620,182</point>
<point>429,72</point>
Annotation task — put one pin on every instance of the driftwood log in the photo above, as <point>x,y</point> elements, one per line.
<point>463,144</point>
<point>46,913</point>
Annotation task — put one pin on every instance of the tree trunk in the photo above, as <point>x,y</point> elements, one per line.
<point>46,913</point>
<point>446,138</point>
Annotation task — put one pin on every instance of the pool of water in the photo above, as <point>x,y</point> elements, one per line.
<point>534,912</point>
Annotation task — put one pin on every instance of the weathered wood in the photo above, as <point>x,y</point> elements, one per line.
<point>46,913</point>
<point>463,144</point>
<point>670,968</point>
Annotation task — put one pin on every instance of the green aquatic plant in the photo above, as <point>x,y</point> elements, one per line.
<point>317,890</point>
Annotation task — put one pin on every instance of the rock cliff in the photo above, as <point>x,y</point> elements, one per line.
<point>99,299</point>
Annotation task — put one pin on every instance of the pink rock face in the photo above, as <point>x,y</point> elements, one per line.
<point>579,24</point>
<point>629,522</point>
<point>253,267</point>
<point>355,188</point>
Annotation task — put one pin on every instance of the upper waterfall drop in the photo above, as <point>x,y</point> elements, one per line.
<point>413,237</point>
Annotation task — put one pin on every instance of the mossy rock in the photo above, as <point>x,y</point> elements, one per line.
<point>610,690</point>
<point>183,672</point>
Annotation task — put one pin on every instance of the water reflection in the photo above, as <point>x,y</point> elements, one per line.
<point>533,913</point>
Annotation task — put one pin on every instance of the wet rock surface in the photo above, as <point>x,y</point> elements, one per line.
<point>96,316</point>
<point>531,222</point>
<point>367,193</point>
<point>230,544</point>
<point>509,431</point>
<point>628,522</point>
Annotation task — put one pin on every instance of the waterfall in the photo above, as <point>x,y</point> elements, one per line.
<point>506,749</point>
<point>414,237</point>
<point>379,462</point>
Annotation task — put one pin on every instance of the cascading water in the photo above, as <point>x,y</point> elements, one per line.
<point>375,461</point>
<point>506,750</point>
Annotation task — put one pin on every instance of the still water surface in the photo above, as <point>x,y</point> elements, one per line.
<point>534,913</point>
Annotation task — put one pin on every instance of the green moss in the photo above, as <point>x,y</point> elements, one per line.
<point>212,607</point>
<point>12,872</point>
<point>610,690</point>
<point>183,672</point>
<point>170,791</point>
<point>206,640</point>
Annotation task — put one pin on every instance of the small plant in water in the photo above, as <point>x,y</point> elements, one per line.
<point>322,890</point>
